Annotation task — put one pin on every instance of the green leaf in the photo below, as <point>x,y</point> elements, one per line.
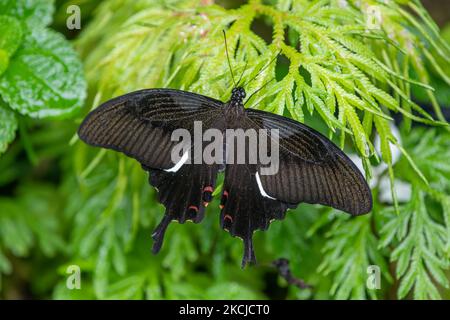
<point>230,291</point>
<point>349,250</point>
<point>8,127</point>
<point>4,61</point>
<point>10,34</point>
<point>420,252</point>
<point>33,12</point>
<point>45,78</point>
<point>5,265</point>
<point>10,39</point>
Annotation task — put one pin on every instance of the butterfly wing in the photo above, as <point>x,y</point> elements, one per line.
<point>311,169</point>
<point>140,125</point>
<point>244,209</point>
<point>185,194</point>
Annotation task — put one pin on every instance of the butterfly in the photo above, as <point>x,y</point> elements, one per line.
<point>311,168</point>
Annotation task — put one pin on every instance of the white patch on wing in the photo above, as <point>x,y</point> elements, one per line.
<point>261,189</point>
<point>179,164</point>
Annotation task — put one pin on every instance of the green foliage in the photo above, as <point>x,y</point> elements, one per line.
<point>346,67</point>
<point>12,37</point>
<point>440,85</point>
<point>31,224</point>
<point>57,81</point>
<point>420,251</point>
<point>73,204</point>
<point>420,234</point>
<point>19,232</point>
<point>32,12</point>
<point>40,74</point>
<point>352,248</point>
<point>8,127</point>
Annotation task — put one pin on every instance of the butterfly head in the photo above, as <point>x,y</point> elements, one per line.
<point>238,95</point>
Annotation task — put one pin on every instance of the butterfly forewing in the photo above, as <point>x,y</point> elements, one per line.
<point>140,124</point>
<point>312,169</point>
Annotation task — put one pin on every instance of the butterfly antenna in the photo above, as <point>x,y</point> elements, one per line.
<point>228,57</point>
<point>262,87</point>
<point>242,74</point>
<point>264,68</point>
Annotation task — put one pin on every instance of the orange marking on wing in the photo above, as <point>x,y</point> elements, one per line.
<point>208,189</point>
<point>193,207</point>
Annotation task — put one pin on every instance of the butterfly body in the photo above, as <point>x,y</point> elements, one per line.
<point>234,108</point>
<point>311,168</point>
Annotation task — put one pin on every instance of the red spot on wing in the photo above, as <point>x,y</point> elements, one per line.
<point>224,199</point>
<point>207,195</point>
<point>208,189</point>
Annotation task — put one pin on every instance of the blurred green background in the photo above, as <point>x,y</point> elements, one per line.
<point>63,203</point>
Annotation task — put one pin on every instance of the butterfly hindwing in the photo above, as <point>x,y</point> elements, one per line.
<point>185,194</point>
<point>244,209</point>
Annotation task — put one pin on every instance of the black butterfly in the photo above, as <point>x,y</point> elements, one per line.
<point>312,169</point>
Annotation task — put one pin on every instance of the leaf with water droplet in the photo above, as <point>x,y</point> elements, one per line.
<point>45,78</point>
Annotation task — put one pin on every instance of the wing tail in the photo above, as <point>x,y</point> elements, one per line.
<point>185,194</point>
<point>245,209</point>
